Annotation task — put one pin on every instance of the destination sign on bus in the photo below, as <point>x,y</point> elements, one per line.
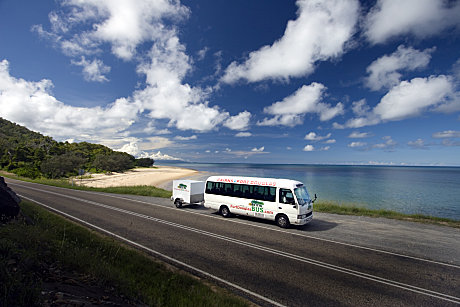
<point>246,181</point>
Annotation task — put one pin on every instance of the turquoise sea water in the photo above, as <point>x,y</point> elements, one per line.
<point>431,191</point>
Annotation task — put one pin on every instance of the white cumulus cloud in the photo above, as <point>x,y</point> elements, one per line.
<point>418,144</point>
<point>243,134</point>
<point>409,99</point>
<point>307,99</point>
<point>388,144</point>
<point>145,148</point>
<point>166,96</point>
<point>319,33</point>
<point>359,135</point>
<point>357,144</point>
<point>446,134</point>
<point>87,27</point>
<point>31,104</point>
<point>238,122</point>
<point>385,71</point>
<point>123,24</point>
<point>158,156</point>
<point>312,136</point>
<point>255,149</point>
<point>421,18</point>
<point>93,71</point>
<point>186,138</point>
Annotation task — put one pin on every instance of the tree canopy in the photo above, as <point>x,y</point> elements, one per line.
<point>31,154</point>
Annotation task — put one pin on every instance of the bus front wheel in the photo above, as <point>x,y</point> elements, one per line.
<point>282,221</point>
<point>178,203</point>
<point>224,211</point>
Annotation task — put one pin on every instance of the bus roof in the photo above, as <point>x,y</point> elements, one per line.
<point>272,182</point>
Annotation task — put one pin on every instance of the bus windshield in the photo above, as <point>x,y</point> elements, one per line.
<point>302,195</point>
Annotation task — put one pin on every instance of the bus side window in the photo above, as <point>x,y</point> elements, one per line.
<point>221,188</point>
<point>217,188</point>
<point>286,196</point>
<point>270,194</point>
<point>209,187</point>
<point>258,193</point>
<point>237,190</point>
<point>248,191</point>
<point>228,189</point>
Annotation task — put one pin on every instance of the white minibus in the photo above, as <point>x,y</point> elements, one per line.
<point>281,200</point>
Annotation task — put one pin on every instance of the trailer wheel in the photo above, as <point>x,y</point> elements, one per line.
<point>282,221</point>
<point>225,211</point>
<point>178,203</point>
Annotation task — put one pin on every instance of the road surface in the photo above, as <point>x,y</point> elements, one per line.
<point>332,261</point>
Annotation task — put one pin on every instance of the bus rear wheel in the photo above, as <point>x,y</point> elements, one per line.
<point>282,221</point>
<point>225,211</point>
<point>178,203</point>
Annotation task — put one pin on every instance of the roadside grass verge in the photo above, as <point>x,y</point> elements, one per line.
<point>352,209</point>
<point>27,249</point>
<point>143,190</point>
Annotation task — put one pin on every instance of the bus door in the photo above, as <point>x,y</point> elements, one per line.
<point>264,204</point>
<point>287,203</point>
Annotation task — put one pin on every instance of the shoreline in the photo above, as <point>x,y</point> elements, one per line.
<point>157,176</point>
<point>329,164</point>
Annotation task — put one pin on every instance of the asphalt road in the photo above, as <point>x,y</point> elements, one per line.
<point>331,261</point>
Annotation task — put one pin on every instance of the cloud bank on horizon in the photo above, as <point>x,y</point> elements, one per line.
<point>190,101</point>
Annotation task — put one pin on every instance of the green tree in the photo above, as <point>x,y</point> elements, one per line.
<point>144,162</point>
<point>62,165</point>
<point>115,162</point>
<point>29,153</point>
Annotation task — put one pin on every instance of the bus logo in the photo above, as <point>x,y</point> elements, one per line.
<point>257,206</point>
<point>182,186</point>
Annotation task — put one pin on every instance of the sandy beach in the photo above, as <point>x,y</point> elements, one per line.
<point>160,176</point>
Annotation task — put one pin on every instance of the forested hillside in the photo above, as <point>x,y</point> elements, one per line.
<point>31,154</point>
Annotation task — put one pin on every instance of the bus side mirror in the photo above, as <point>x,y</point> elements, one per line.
<point>314,199</point>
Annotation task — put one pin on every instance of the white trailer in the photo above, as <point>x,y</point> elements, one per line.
<point>187,192</point>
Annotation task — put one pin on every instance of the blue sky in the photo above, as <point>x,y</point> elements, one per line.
<point>333,82</point>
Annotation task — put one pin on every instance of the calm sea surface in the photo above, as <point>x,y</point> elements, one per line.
<point>426,190</point>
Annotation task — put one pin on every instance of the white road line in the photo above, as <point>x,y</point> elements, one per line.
<point>280,253</point>
<point>183,264</point>
<point>264,227</point>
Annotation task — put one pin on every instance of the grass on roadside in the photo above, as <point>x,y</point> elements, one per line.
<point>143,190</point>
<point>351,209</point>
<point>52,240</point>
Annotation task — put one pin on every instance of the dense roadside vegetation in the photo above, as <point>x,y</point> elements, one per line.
<point>48,250</point>
<point>33,155</point>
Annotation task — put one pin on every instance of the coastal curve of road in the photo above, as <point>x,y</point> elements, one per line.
<point>332,261</point>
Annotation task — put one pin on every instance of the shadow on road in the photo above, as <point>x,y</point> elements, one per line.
<point>194,207</point>
<point>314,225</point>
<point>318,225</point>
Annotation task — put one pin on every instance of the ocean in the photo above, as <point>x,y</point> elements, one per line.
<point>433,191</point>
